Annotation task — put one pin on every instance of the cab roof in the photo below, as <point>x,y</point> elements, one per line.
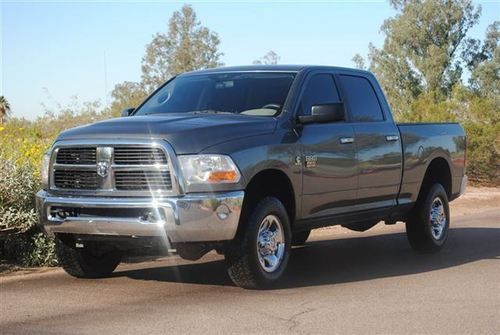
<point>270,68</point>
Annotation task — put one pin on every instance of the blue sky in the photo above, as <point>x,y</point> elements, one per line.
<point>51,51</point>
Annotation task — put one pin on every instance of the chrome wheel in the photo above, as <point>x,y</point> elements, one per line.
<point>270,243</point>
<point>437,218</point>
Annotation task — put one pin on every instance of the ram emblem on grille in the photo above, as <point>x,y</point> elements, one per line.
<point>103,168</point>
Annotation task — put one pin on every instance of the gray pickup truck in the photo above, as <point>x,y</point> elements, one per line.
<point>246,161</point>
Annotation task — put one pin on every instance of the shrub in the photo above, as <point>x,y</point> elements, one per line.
<point>21,239</point>
<point>22,144</point>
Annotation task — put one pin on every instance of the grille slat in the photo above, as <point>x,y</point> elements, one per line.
<point>70,179</point>
<point>76,156</point>
<point>143,180</point>
<point>139,156</point>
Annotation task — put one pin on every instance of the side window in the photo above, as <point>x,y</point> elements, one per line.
<point>362,99</point>
<point>320,90</point>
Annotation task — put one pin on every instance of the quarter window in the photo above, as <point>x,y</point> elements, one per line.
<point>362,99</point>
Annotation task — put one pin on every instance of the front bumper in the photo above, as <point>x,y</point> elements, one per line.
<point>190,218</point>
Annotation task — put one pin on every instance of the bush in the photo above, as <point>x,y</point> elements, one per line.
<point>22,144</point>
<point>21,239</point>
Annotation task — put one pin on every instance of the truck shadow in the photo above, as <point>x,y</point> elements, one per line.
<point>346,260</point>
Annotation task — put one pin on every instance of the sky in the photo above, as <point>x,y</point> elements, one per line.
<point>53,51</point>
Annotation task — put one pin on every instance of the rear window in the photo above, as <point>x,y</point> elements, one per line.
<point>362,99</point>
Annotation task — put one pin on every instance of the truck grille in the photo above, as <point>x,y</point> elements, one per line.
<point>139,156</point>
<point>112,168</point>
<point>68,179</point>
<point>143,180</point>
<point>76,156</point>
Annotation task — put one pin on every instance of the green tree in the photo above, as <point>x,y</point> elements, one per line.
<point>125,95</point>
<point>185,47</point>
<point>270,58</point>
<point>4,109</point>
<point>483,61</point>
<point>421,49</point>
<point>359,61</point>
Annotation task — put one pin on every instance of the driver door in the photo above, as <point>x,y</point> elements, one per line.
<point>330,178</point>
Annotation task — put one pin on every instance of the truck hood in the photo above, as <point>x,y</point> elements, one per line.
<point>187,133</point>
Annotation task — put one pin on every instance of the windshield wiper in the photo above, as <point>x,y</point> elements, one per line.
<point>203,111</point>
<point>210,111</point>
<point>154,113</point>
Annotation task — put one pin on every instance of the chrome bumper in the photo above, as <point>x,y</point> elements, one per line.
<point>190,218</point>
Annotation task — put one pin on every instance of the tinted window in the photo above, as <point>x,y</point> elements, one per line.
<point>363,102</point>
<point>249,93</point>
<point>320,90</point>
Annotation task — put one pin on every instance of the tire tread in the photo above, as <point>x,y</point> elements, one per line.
<point>240,265</point>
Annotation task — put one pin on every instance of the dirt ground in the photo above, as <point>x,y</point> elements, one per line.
<point>477,199</point>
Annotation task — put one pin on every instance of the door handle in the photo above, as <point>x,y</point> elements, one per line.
<point>391,138</point>
<point>346,140</point>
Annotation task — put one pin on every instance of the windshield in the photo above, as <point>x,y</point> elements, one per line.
<point>260,94</point>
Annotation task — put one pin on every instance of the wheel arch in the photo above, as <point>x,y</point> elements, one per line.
<point>438,171</point>
<point>270,182</point>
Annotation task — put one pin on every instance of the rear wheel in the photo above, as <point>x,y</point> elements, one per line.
<point>427,229</point>
<point>299,238</point>
<point>89,262</point>
<point>258,258</point>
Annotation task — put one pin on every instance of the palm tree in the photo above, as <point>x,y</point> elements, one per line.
<point>4,109</point>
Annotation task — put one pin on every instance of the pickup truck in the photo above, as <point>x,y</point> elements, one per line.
<point>247,161</point>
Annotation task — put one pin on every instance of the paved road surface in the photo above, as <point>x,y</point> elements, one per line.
<point>340,282</point>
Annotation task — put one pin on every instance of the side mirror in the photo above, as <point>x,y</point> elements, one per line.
<point>334,112</point>
<point>127,111</point>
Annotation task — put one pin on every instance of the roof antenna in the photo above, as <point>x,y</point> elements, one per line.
<point>105,81</point>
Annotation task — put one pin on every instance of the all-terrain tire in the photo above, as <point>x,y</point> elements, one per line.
<point>86,262</point>
<point>242,259</point>
<point>423,235</point>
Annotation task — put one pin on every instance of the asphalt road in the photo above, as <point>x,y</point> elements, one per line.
<point>340,282</point>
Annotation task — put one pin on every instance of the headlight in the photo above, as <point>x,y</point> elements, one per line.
<point>45,170</point>
<point>209,169</point>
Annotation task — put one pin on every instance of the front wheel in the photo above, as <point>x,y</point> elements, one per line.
<point>258,258</point>
<point>89,262</point>
<point>427,229</point>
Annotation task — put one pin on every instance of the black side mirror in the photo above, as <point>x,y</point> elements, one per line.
<point>127,111</point>
<point>334,112</point>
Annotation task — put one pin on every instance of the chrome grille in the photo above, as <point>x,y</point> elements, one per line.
<point>113,168</point>
<point>139,156</point>
<point>73,179</point>
<point>143,180</point>
<point>85,155</point>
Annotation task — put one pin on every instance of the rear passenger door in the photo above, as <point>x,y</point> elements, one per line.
<point>377,142</point>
